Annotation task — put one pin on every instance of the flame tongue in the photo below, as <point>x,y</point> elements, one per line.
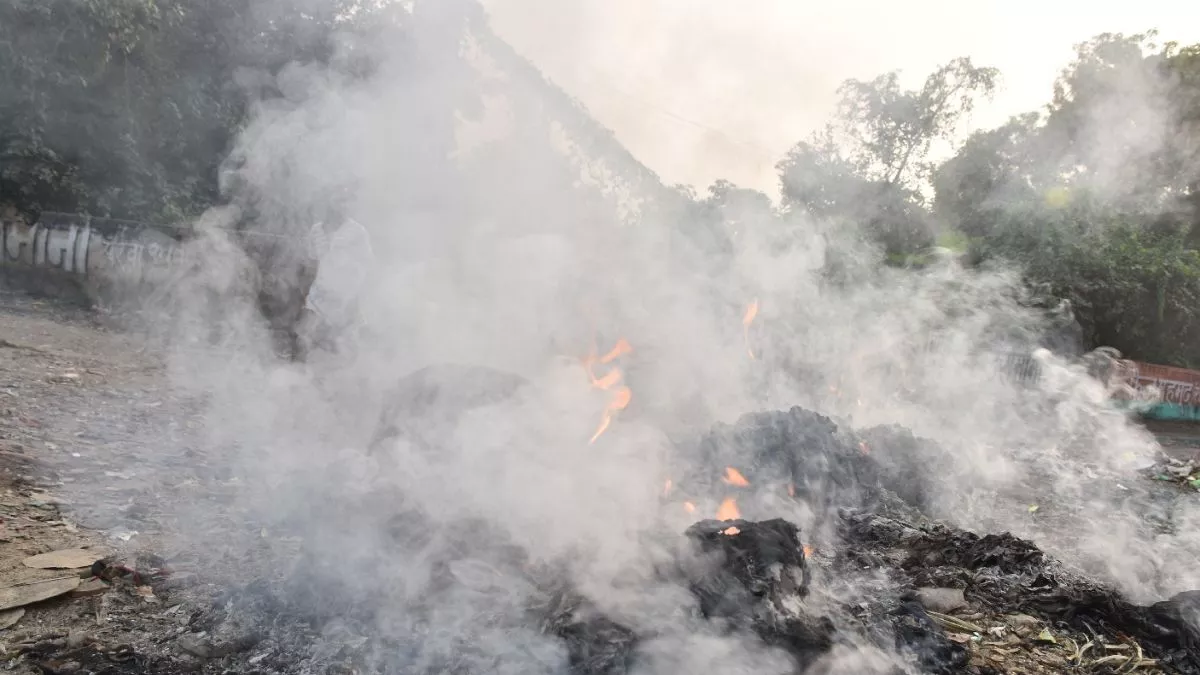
<point>735,477</point>
<point>619,402</point>
<point>751,312</point>
<point>621,396</point>
<point>604,424</point>
<point>621,399</point>
<point>729,510</point>
<point>608,381</point>
<point>620,349</point>
<point>747,319</point>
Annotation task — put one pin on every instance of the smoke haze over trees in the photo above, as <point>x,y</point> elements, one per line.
<point>130,109</point>
<point>1098,196</point>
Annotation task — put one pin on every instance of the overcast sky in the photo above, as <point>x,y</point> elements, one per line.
<point>707,89</point>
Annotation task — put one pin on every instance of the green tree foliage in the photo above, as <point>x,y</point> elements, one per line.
<point>891,130</point>
<point>870,167</point>
<point>993,173</point>
<point>127,107</point>
<point>707,228</point>
<point>1097,198</point>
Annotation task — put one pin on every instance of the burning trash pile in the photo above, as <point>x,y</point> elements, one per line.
<point>883,579</point>
<point>946,599</point>
<point>870,586</point>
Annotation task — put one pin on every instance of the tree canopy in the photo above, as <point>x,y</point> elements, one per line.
<point>127,107</point>
<point>870,166</point>
<point>1096,197</point>
<point>130,108</point>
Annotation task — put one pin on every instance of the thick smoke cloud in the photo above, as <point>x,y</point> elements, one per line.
<point>508,232</point>
<point>788,59</point>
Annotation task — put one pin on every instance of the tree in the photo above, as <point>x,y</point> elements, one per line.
<point>994,171</point>
<point>1182,69</point>
<point>891,130</point>
<point>127,107</point>
<point>1132,288</point>
<point>62,67</point>
<point>1111,127</point>
<point>869,166</point>
<point>1096,199</point>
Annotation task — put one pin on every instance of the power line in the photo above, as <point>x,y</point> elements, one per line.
<point>770,155</point>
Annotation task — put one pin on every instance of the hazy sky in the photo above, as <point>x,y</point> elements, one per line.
<point>706,89</point>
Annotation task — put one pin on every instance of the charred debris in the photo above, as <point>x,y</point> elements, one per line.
<point>944,599</point>
<point>928,597</point>
<point>932,598</point>
<point>874,574</point>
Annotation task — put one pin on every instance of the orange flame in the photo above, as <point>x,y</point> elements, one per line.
<point>729,510</point>
<point>589,361</point>
<point>747,319</point>
<point>604,423</point>
<point>620,349</point>
<point>667,488</point>
<point>622,396</point>
<point>751,312</point>
<point>866,449</point>
<point>791,489</point>
<point>735,477</point>
<point>808,551</point>
<point>730,531</point>
<point>620,401</point>
<point>614,376</point>
<point>608,381</point>
<point>689,507</point>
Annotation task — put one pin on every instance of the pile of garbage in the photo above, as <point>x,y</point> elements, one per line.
<point>1182,472</point>
<point>930,597</point>
<point>921,596</point>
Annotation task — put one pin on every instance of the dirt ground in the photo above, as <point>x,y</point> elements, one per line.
<point>99,456</point>
<point>94,455</point>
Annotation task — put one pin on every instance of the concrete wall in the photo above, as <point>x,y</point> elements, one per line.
<point>134,270</point>
<point>1176,391</point>
<point>97,259</point>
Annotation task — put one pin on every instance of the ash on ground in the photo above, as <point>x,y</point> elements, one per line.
<point>871,585</point>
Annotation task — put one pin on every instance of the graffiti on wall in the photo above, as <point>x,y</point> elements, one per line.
<point>67,249</point>
<point>1177,386</point>
<point>87,247</point>
<point>136,257</point>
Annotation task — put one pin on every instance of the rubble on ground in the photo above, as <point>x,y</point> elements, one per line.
<point>934,597</point>
<point>1181,472</point>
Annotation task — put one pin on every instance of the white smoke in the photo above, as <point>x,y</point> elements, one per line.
<point>510,233</point>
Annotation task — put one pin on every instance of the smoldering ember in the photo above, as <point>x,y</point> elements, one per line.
<point>340,337</point>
